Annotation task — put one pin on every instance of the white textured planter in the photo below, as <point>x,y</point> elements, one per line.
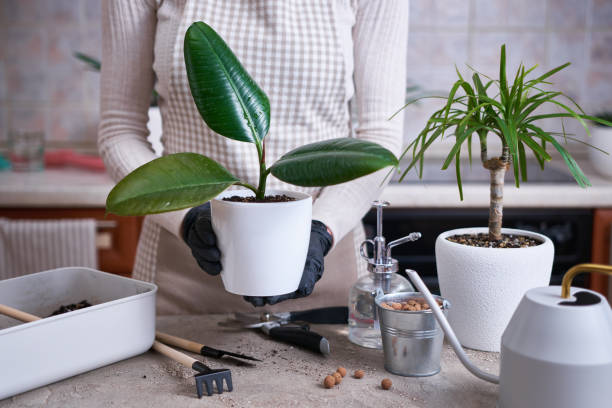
<point>263,245</point>
<point>602,138</point>
<point>485,285</point>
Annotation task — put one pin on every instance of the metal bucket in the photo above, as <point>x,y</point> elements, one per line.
<point>412,340</point>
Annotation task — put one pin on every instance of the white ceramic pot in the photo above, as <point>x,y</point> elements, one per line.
<point>263,245</point>
<point>602,138</point>
<point>485,285</point>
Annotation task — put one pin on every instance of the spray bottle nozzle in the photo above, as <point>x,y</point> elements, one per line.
<point>381,260</point>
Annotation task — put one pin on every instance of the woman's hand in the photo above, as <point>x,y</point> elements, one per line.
<point>320,243</point>
<point>198,234</point>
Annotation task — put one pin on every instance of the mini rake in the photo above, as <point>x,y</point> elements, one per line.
<point>205,375</point>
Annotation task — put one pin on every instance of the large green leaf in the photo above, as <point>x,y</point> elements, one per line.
<point>331,162</point>
<point>228,99</point>
<point>169,183</point>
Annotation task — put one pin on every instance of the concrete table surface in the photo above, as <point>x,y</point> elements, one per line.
<point>288,376</point>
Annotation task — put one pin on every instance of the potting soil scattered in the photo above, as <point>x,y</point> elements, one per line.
<point>482,240</point>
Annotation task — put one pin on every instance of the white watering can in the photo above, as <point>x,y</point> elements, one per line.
<point>556,350</point>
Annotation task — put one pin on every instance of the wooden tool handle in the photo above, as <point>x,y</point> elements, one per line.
<point>177,356</point>
<point>179,342</point>
<point>17,314</point>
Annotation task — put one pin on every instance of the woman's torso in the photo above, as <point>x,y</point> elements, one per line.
<point>300,54</point>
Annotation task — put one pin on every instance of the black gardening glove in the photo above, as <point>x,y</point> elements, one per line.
<point>200,237</point>
<point>320,244</point>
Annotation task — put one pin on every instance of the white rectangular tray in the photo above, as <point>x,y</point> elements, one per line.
<point>119,325</point>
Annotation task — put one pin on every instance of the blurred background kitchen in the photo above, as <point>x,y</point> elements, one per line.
<point>46,90</point>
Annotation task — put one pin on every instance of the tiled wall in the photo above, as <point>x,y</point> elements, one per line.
<point>544,32</point>
<point>43,87</point>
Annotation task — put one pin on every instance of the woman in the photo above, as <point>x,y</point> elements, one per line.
<point>311,57</point>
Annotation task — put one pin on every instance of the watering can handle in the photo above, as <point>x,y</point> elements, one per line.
<point>448,331</point>
<point>575,270</point>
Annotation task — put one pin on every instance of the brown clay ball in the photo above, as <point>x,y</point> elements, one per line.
<point>338,377</point>
<point>329,381</point>
<point>359,374</point>
<point>342,371</point>
<point>386,384</point>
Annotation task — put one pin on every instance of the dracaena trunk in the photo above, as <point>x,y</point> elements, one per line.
<point>497,169</point>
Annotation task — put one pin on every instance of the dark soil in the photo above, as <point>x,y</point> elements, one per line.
<point>267,199</point>
<point>507,241</point>
<point>73,306</point>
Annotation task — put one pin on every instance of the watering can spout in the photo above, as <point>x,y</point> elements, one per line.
<point>448,331</point>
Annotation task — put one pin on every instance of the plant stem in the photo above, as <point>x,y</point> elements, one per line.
<point>263,176</point>
<point>505,157</point>
<point>260,193</point>
<point>483,147</point>
<point>497,168</point>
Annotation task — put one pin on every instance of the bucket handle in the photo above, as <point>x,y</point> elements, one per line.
<point>580,268</point>
<point>448,331</point>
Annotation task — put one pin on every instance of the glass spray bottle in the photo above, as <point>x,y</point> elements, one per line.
<point>363,322</point>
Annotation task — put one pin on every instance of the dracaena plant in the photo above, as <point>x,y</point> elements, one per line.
<point>233,105</point>
<point>505,110</point>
